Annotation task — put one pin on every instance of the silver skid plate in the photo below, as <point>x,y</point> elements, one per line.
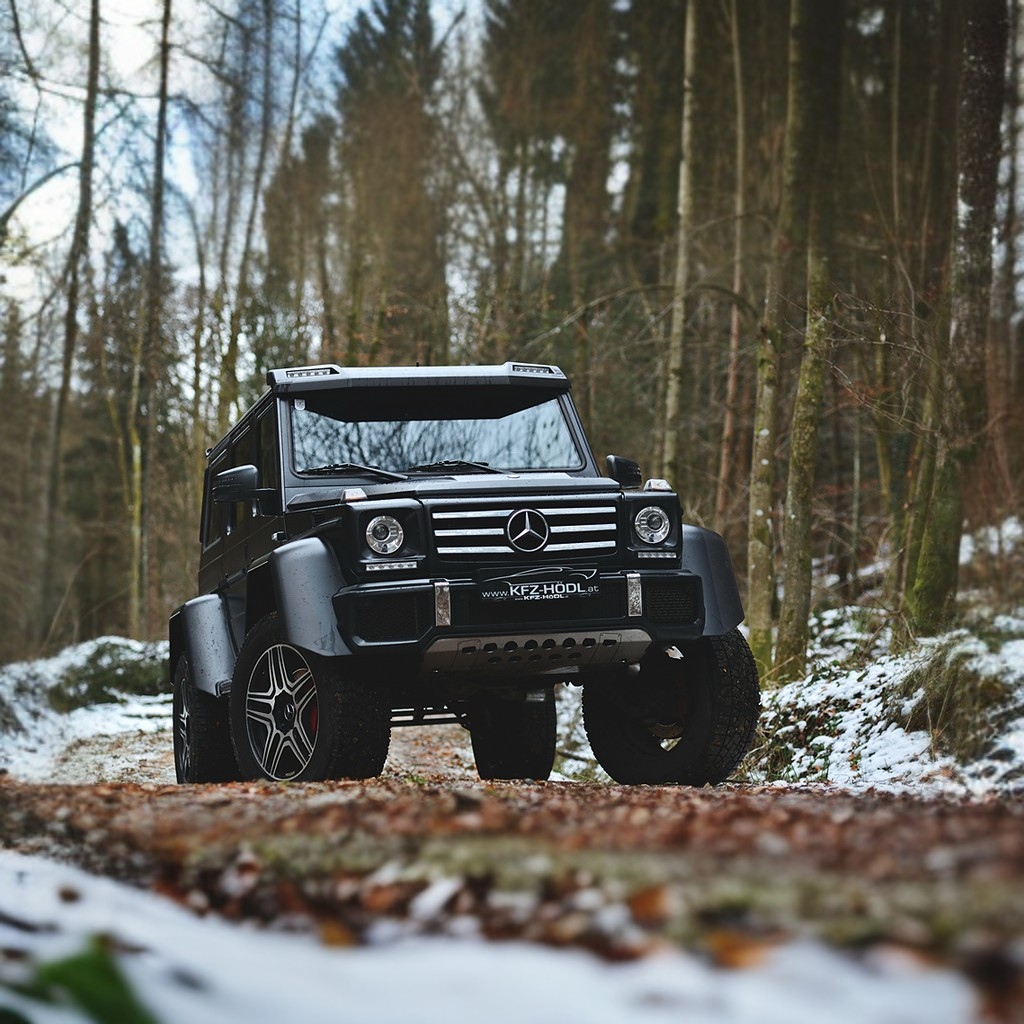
<point>536,652</point>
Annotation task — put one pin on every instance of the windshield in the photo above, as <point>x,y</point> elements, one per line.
<point>399,429</point>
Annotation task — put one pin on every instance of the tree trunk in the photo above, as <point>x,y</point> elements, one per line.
<point>672,458</point>
<point>820,68</point>
<point>229,365</point>
<point>729,446</point>
<point>586,196</point>
<point>789,242</point>
<point>1003,357</point>
<point>145,443</point>
<point>74,271</point>
<point>962,419</point>
<point>920,280</point>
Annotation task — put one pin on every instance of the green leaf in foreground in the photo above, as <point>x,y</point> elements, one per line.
<point>93,982</point>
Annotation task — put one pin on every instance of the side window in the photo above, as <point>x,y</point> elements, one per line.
<point>219,518</point>
<point>242,454</point>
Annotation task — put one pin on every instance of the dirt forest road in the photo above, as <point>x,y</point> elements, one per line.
<point>430,849</point>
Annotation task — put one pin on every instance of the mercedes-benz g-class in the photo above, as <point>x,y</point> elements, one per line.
<point>404,546</point>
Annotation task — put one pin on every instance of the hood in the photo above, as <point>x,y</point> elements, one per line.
<point>433,487</point>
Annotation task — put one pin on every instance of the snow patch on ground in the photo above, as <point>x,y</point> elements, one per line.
<point>200,970</point>
<point>34,735</point>
<point>993,541</point>
<point>848,725</point>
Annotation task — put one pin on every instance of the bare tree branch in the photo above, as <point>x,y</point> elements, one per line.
<point>7,214</point>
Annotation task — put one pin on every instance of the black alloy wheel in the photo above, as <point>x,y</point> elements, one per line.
<point>295,715</point>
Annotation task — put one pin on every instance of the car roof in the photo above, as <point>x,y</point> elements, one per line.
<point>329,376</point>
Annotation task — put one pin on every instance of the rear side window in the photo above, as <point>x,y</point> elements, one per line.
<point>221,519</point>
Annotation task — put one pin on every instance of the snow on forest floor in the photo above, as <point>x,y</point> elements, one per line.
<point>184,968</point>
<point>866,717</point>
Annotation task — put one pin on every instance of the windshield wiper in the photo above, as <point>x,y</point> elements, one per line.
<point>483,467</point>
<point>355,467</point>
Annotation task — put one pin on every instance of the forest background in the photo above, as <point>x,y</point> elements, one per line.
<point>776,244</point>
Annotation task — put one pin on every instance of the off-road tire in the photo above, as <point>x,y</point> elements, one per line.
<point>298,716</point>
<point>717,697</point>
<point>513,739</point>
<point>202,739</point>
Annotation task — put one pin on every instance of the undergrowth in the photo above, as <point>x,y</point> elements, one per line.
<point>110,671</point>
<point>871,708</point>
<point>958,706</point>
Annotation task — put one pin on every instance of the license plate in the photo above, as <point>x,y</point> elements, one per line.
<point>549,584</point>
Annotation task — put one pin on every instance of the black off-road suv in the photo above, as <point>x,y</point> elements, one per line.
<point>406,546</point>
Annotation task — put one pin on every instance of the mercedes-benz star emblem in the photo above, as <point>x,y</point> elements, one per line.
<point>527,530</point>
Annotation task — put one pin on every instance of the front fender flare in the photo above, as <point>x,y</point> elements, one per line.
<point>705,553</point>
<point>206,642</point>
<point>306,577</point>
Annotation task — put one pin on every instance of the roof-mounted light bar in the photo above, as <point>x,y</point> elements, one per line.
<point>303,373</point>
<point>534,368</point>
<point>330,375</point>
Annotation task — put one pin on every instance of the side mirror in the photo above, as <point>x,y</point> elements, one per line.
<point>238,484</point>
<point>624,471</point>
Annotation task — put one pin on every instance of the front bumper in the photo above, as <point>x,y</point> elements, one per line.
<point>454,627</point>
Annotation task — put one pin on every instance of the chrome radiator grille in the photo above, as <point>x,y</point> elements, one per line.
<point>478,529</point>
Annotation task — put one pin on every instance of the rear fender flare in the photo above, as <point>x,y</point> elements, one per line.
<point>705,554</point>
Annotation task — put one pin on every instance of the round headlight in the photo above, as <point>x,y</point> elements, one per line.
<point>385,535</point>
<point>652,524</point>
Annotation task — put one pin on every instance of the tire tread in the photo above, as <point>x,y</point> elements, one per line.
<point>213,757</point>
<point>513,739</point>
<point>726,711</point>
